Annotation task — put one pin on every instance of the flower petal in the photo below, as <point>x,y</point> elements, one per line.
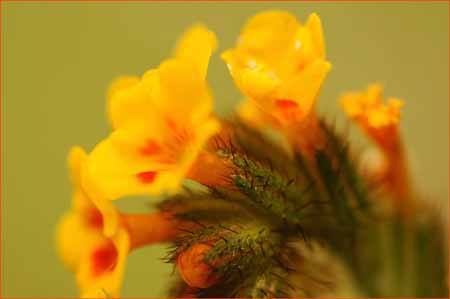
<point>196,45</point>
<point>304,87</point>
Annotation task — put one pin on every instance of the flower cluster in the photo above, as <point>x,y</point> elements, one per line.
<point>162,127</point>
<point>161,123</point>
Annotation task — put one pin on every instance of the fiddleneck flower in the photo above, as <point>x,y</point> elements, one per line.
<point>280,66</point>
<point>98,258</point>
<point>380,121</point>
<point>161,123</point>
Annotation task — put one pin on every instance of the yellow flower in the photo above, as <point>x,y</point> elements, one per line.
<point>369,107</point>
<point>97,255</point>
<point>97,260</point>
<point>280,64</point>
<point>379,120</point>
<point>161,123</point>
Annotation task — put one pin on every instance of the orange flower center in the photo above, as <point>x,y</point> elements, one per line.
<point>289,110</point>
<point>286,104</point>
<point>179,138</point>
<point>151,148</point>
<point>169,152</point>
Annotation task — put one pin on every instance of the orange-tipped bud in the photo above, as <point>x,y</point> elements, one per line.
<point>195,272</point>
<point>378,119</point>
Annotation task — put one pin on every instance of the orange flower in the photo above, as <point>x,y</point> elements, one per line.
<point>98,260</point>
<point>161,123</point>
<point>195,272</point>
<point>279,64</point>
<point>98,255</point>
<point>380,121</point>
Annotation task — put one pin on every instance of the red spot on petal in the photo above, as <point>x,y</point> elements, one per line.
<point>286,104</point>
<point>289,110</point>
<point>94,218</point>
<point>150,148</point>
<point>104,259</point>
<point>147,177</point>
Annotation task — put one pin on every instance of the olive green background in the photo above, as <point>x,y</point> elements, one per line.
<point>57,60</point>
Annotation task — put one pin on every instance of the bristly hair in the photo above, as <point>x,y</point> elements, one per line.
<point>277,211</point>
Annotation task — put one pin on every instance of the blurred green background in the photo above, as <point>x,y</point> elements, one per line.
<point>58,58</point>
